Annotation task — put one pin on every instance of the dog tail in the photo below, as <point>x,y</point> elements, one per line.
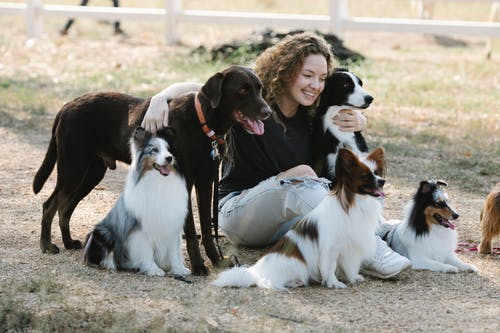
<point>242,277</point>
<point>98,250</point>
<point>49,161</point>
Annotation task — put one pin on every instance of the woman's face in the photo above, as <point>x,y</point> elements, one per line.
<point>310,81</point>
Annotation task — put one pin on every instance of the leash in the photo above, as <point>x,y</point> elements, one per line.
<point>215,201</point>
<point>214,153</point>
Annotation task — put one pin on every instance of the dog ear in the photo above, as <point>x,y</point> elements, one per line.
<point>168,133</point>
<point>441,183</point>
<point>212,89</point>
<point>426,187</point>
<point>378,156</point>
<point>141,136</point>
<point>345,160</point>
<point>341,69</point>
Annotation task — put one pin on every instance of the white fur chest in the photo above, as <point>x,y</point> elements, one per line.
<point>354,231</point>
<point>437,244</point>
<point>345,138</point>
<point>156,200</point>
<point>440,242</point>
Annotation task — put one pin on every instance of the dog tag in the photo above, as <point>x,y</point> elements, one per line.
<point>214,153</point>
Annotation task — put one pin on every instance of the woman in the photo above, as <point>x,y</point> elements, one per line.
<point>267,181</point>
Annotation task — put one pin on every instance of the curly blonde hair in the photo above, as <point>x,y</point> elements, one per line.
<point>280,64</point>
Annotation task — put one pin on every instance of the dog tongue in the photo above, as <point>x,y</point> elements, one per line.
<point>255,126</point>
<point>448,224</point>
<point>380,193</point>
<point>164,170</point>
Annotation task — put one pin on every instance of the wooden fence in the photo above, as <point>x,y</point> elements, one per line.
<point>336,21</point>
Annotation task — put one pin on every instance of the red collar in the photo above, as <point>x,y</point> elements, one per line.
<point>201,117</point>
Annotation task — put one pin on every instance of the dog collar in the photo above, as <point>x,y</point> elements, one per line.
<point>201,117</point>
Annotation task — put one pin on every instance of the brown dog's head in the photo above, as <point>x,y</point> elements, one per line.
<point>235,96</point>
<point>358,176</point>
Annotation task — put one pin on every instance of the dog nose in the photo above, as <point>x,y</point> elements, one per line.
<point>455,216</point>
<point>265,111</point>
<point>169,159</point>
<point>381,182</point>
<point>368,99</point>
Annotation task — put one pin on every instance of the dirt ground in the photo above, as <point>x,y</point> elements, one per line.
<point>64,295</point>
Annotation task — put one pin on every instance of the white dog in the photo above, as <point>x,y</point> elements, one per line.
<point>143,230</point>
<point>427,236</point>
<point>338,233</point>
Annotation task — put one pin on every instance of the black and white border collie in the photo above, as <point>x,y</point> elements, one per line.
<point>343,90</point>
<point>427,235</point>
<point>338,233</point>
<point>143,230</point>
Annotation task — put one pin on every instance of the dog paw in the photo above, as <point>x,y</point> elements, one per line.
<point>450,269</point>
<point>335,284</point>
<point>201,270</point>
<point>155,271</point>
<point>339,285</point>
<point>182,271</point>
<point>73,244</point>
<point>358,279</point>
<point>468,268</point>
<point>295,283</point>
<point>50,248</point>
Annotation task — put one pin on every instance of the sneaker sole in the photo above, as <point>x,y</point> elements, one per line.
<point>384,277</point>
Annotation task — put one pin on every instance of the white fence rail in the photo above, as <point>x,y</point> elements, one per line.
<point>337,21</point>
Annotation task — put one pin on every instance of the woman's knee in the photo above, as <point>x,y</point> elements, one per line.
<point>298,171</point>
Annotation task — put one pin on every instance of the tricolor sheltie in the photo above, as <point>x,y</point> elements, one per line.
<point>490,220</point>
<point>427,235</point>
<point>338,233</point>
<point>143,230</point>
<point>343,90</point>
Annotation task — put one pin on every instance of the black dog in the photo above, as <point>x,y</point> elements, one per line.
<point>92,132</point>
<point>343,90</point>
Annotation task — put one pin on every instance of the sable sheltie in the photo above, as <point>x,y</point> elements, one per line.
<point>338,233</point>
<point>343,90</point>
<point>427,235</point>
<point>143,230</point>
<point>490,220</point>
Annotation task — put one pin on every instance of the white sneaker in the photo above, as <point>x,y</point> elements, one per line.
<point>386,263</point>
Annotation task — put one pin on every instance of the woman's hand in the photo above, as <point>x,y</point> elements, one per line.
<point>350,120</point>
<point>156,116</point>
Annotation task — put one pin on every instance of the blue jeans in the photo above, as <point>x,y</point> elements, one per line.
<point>260,215</point>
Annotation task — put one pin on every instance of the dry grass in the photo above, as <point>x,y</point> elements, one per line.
<point>436,113</point>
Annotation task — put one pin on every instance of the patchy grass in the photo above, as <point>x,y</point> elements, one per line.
<point>435,113</point>
<point>12,315</point>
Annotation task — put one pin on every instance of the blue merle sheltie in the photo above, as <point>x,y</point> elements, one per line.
<point>143,230</point>
<point>427,235</point>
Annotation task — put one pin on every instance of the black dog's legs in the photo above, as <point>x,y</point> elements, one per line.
<point>204,196</point>
<point>49,210</point>
<point>72,197</point>
<point>193,249</point>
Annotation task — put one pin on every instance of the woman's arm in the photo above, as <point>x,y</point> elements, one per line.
<point>156,116</point>
<point>350,120</point>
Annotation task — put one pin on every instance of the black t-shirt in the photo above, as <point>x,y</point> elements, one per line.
<point>254,158</point>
